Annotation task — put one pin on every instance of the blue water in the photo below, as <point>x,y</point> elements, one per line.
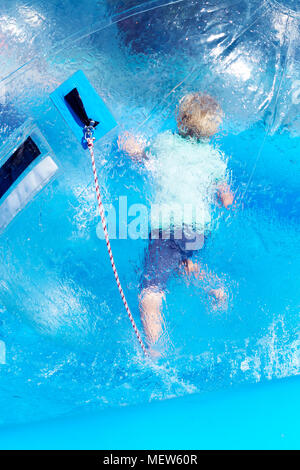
<point>68,340</point>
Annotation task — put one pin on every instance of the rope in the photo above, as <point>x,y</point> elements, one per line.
<point>90,144</point>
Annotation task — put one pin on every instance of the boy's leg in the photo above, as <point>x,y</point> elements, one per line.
<point>194,269</point>
<point>162,259</point>
<point>150,308</point>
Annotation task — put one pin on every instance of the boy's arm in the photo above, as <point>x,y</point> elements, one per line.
<point>225,195</point>
<point>134,147</point>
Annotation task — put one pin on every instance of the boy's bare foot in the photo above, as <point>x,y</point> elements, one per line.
<point>192,268</point>
<point>154,354</point>
<point>218,294</point>
<point>220,298</point>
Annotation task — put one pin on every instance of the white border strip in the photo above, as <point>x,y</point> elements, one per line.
<point>30,185</point>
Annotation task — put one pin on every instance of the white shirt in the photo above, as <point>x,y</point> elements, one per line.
<point>185,175</point>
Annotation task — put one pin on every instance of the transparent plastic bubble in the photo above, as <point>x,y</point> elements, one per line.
<point>68,341</point>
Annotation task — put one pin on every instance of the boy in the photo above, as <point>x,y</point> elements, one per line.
<point>189,175</point>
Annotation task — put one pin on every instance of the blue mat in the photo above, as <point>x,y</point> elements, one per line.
<point>94,105</point>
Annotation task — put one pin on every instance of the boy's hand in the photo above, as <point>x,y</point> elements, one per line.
<point>133,146</point>
<point>225,195</point>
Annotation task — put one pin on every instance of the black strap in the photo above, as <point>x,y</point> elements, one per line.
<point>75,102</point>
<point>17,163</point>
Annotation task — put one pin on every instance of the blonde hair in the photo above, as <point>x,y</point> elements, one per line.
<point>199,115</point>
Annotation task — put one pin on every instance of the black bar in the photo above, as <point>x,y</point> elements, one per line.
<point>17,164</point>
<point>76,105</point>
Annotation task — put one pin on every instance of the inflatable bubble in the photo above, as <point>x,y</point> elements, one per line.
<point>66,333</point>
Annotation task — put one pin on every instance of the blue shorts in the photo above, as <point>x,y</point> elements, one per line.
<point>165,253</point>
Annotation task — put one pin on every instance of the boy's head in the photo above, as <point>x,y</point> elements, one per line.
<point>199,116</point>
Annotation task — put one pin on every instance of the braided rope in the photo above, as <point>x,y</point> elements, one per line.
<point>90,144</point>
